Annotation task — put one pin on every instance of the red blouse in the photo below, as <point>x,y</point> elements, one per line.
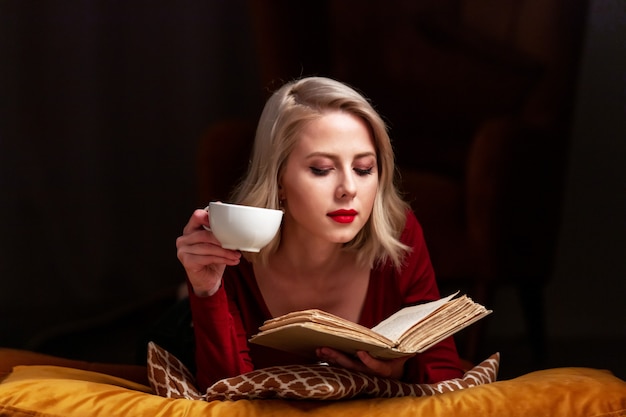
<point>224,322</point>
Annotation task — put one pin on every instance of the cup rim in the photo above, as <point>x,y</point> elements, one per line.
<point>245,207</point>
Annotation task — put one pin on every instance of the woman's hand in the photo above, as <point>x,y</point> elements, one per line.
<point>389,368</point>
<point>202,255</point>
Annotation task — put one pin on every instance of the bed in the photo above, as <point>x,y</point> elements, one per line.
<point>33,384</point>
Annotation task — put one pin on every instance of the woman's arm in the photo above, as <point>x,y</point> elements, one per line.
<point>220,351</point>
<point>220,340</point>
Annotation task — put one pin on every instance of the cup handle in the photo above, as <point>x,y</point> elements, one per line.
<point>207,227</point>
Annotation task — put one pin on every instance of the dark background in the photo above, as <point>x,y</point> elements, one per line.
<point>102,104</point>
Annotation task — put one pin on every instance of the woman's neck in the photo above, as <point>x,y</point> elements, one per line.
<point>310,259</point>
<point>299,277</point>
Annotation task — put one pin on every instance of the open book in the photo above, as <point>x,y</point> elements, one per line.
<point>411,330</point>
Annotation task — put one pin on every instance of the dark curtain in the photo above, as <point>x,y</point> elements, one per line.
<point>102,104</point>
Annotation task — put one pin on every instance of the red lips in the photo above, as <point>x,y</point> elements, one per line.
<point>343,216</point>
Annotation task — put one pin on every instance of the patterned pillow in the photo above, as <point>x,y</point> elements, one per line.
<point>169,378</point>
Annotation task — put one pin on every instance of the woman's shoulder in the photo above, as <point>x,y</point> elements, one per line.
<point>416,269</point>
<point>412,230</point>
<point>412,236</point>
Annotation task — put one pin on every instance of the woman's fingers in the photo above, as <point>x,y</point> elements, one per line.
<point>382,368</point>
<point>335,357</point>
<point>202,255</point>
<point>201,246</point>
<point>393,368</point>
<point>198,219</point>
<point>198,241</point>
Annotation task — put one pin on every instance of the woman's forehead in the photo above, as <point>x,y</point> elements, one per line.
<point>335,133</point>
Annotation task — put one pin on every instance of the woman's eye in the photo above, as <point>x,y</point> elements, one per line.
<point>320,172</point>
<point>363,172</point>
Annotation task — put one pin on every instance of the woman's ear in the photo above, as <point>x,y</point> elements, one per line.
<point>281,190</point>
<point>281,196</point>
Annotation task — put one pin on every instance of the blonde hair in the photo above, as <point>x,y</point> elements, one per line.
<point>283,116</point>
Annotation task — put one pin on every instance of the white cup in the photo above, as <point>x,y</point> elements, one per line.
<point>243,228</point>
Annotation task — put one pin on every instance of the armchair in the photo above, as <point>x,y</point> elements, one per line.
<point>458,102</point>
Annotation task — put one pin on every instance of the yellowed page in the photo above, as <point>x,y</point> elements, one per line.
<point>304,338</point>
<point>397,324</point>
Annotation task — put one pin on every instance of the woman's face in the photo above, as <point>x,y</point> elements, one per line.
<point>330,179</point>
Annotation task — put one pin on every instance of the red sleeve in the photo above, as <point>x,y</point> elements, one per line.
<point>221,342</point>
<point>417,284</point>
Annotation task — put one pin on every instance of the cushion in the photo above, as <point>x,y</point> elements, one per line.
<point>169,378</point>
<point>573,392</point>
<point>42,372</point>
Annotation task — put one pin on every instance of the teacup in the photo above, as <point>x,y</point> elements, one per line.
<point>243,228</point>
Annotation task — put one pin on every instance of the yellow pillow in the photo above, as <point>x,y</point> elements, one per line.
<point>47,391</point>
<point>38,372</point>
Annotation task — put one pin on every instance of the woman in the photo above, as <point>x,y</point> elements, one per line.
<point>348,243</point>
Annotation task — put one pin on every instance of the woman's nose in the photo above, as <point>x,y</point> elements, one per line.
<point>347,186</point>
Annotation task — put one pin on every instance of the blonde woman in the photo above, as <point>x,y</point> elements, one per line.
<point>348,243</point>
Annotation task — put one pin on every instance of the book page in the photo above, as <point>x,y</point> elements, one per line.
<point>459,313</point>
<point>313,316</point>
<point>304,338</point>
<point>394,327</point>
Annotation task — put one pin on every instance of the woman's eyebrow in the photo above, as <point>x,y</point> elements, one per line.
<point>321,154</point>
<point>365,154</point>
<point>335,156</point>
